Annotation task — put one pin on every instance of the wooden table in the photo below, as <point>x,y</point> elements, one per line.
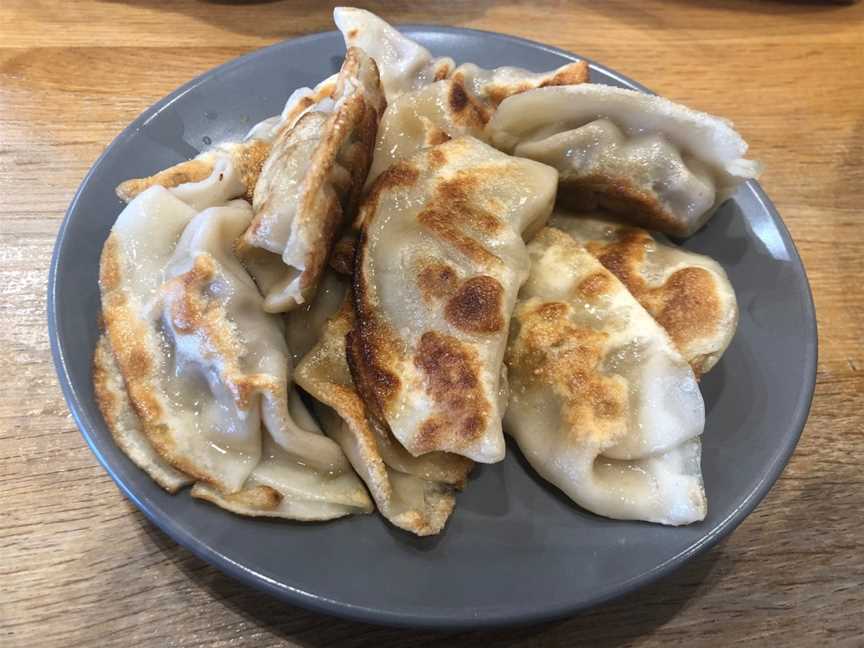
<point>80,566</point>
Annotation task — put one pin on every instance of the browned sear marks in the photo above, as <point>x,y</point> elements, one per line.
<point>687,304</point>
<point>435,279</point>
<point>477,306</point>
<point>452,375</point>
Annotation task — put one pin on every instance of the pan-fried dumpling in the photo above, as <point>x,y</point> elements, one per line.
<point>124,424</point>
<point>301,101</point>
<point>440,261</point>
<point>415,494</point>
<point>602,404</point>
<point>660,164</point>
<point>204,366</point>
<point>231,170</point>
<point>404,65</point>
<point>460,105</point>
<point>688,294</point>
<point>281,486</point>
<point>213,178</point>
<point>277,486</point>
<point>310,184</point>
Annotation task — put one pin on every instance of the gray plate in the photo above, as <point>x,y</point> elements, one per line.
<point>515,550</point>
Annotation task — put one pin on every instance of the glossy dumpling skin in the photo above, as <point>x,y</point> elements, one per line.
<point>277,487</point>
<point>688,294</point>
<point>461,105</point>
<point>661,165</point>
<point>414,493</point>
<point>231,169</point>
<point>124,424</point>
<point>404,65</point>
<point>203,365</point>
<point>601,403</point>
<point>226,172</point>
<point>309,187</point>
<point>440,261</point>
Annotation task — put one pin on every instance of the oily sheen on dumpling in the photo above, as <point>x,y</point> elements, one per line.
<point>659,164</point>
<point>602,404</point>
<point>688,294</point>
<point>413,493</point>
<point>310,185</point>
<point>460,105</point>
<point>440,261</point>
<point>206,369</point>
<point>123,423</point>
<point>403,64</point>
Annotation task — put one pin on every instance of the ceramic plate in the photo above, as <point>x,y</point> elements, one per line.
<point>515,550</point>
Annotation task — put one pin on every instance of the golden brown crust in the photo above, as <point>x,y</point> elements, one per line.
<point>687,304</point>
<point>333,180</point>
<point>435,279</point>
<point>451,371</point>
<point>552,350</point>
<point>476,307</point>
<point>248,158</point>
<point>122,422</point>
<point>621,195</point>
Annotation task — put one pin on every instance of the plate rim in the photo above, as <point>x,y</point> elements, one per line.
<point>320,604</point>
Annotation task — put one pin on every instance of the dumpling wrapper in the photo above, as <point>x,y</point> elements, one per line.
<point>661,165</point>
<point>310,185</point>
<point>124,424</point>
<point>231,170</point>
<point>602,404</point>
<point>277,487</point>
<point>687,293</point>
<point>415,494</point>
<point>204,366</point>
<point>440,260</point>
<point>460,105</point>
<point>404,65</point>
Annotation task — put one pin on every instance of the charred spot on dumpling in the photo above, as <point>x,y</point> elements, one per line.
<point>465,111</point>
<point>477,306</point>
<point>452,374</point>
<point>435,279</point>
<point>352,33</point>
<point>436,157</point>
<point>457,98</point>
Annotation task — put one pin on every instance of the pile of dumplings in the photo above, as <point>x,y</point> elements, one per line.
<point>347,309</point>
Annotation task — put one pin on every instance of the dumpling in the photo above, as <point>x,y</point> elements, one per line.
<point>440,261</point>
<point>659,164</point>
<point>404,65</point>
<point>460,105</point>
<point>301,101</point>
<point>602,405</point>
<point>124,424</point>
<point>203,365</point>
<point>310,185</point>
<point>281,486</point>
<point>231,170</point>
<point>276,487</point>
<point>415,494</point>
<point>688,294</point>
<point>213,178</point>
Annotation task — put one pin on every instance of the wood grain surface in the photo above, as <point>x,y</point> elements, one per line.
<point>80,566</point>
